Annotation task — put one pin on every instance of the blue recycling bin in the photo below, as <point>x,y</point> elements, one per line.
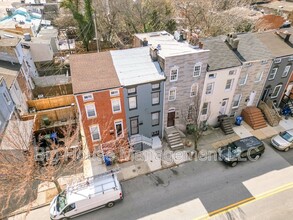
<point>238,120</point>
<point>107,160</point>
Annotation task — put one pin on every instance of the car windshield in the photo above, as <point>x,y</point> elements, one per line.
<point>61,201</point>
<point>288,137</point>
<point>233,150</point>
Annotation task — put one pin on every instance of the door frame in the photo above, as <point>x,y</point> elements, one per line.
<point>226,105</point>
<point>121,123</point>
<point>173,111</point>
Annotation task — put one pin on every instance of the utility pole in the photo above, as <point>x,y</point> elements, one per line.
<point>96,31</point>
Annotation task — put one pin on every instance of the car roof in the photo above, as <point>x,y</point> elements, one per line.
<point>248,142</point>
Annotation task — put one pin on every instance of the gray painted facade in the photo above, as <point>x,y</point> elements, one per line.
<point>185,63</point>
<point>144,109</point>
<point>6,105</point>
<point>277,79</point>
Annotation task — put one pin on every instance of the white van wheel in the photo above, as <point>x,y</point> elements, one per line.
<point>110,204</point>
<point>286,149</point>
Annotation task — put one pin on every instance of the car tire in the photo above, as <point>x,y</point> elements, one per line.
<point>233,164</point>
<point>110,204</point>
<point>286,149</point>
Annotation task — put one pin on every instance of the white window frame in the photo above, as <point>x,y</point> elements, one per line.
<point>156,99</point>
<point>116,101</point>
<point>245,80</point>
<point>86,109</point>
<point>172,74</point>
<point>207,108</point>
<point>156,86</point>
<point>119,122</point>
<point>193,90</point>
<point>7,97</point>
<point>212,75</point>
<point>131,97</point>
<point>154,113</point>
<point>89,98</point>
<point>172,89</point>
<point>273,73</point>
<point>231,85</point>
<point>239,100</point>
<point>114,92</point>
<point>210,91</point>
<point>131,90</point>
<point>286,71</point>
<point>260,75</point>
<point>91,132</point>
<point>196,73</point>
<point>279,89</point>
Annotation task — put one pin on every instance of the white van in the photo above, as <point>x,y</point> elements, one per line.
<point>94,193</point>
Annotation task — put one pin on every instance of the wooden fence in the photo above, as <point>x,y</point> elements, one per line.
<point>50,103</point>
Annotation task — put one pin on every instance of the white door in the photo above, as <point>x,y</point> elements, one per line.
<point>223,106</point>
<point>251,98</point>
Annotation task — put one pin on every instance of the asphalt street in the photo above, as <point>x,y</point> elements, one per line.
<point>214,183</point>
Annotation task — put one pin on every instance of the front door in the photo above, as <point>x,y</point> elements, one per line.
<point>223,106</point>
<point>265,94</point>
<point>171,119</point>
<point>251,98</point>
<point>118,128</point>
<point>288,90</point>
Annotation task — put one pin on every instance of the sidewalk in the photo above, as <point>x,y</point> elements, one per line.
<point>151,160</point>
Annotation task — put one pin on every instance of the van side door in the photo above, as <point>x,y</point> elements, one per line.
<point>69,210</point>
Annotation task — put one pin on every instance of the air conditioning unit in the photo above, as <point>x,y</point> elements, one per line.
<point>40,96</point>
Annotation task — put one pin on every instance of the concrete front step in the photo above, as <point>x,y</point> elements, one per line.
<point>177,146</point>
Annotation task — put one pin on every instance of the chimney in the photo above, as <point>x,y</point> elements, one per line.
<point>154,53</point>
<point>232,40</point>
<point>285,35</point>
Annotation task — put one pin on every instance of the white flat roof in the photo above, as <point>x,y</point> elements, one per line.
<point>169,46</point>
<point>135,66</point>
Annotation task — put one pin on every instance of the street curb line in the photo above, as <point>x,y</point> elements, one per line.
<point>247,201</point>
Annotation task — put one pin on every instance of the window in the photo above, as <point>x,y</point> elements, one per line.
<point>243,79</point>
<point>7,97</point>
<point>69,208</point>
<point>155,118</point>
<point>236,101</point>
<point>258,77</point>
<point>88,97</point>
<point>155,98</point>
<point>90,110</point>
<point>172,94</point>
<point>132,102</point>
<point>114,92</point>
<point>119,128</point>
<point>156,86</point>
<point>155,133</point>
<point>276,91</point>
<point>277,60</point>
<point>134,125</point>
<point>273,73</point>
<point>205,108</point>
<point>229,84</point>
<point>212,75</point>
<point>116,105</point>
<point>232,72</point>
<point>95,133</point>
<point>196,70</point>
<point>131,91</point>
<point>174,75</point>
<point>286,71</point>
<point>194,90</point>
<point>210,88</point>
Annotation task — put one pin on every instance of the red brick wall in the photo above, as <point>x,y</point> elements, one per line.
<point>105,117</point>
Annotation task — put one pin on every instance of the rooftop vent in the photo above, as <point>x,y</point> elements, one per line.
<point>285,35</point>
<point>145,42</point>
<point>154,52</point>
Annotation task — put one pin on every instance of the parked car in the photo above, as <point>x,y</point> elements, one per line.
<point>241,150</point>
<point>86,196</point>
<point>283,141</point>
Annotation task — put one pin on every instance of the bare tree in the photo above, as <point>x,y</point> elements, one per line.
<point>21,172</point>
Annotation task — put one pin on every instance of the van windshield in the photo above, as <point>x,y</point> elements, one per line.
<point>61,201</point>
<point>233,150</point>
<point>288,137</point>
